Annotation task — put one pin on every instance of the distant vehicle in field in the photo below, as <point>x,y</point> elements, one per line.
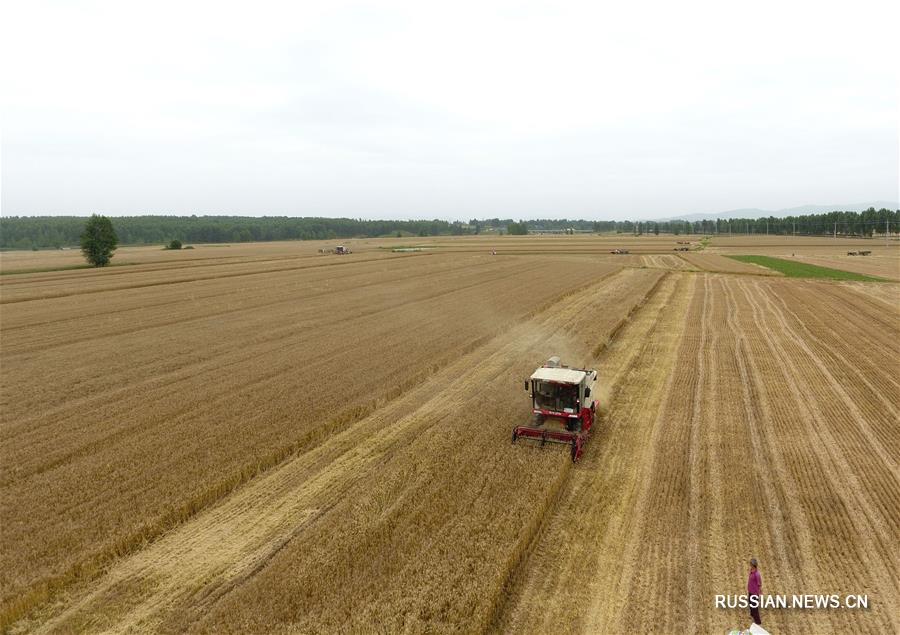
<point>619,251</point>
<point>864,252</point>
<point>340,250</point>
<point>561,406</point>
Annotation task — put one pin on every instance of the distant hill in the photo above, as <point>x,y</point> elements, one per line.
<point>753,212</point>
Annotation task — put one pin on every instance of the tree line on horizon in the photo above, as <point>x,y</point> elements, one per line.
<point>868,223</point>
<point>43,232</point>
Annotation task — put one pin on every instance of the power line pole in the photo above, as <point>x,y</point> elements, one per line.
<point>835,230</point>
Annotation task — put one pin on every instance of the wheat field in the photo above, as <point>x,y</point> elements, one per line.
<point>260,438</point>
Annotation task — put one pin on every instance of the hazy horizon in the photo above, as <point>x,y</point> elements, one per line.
<point>736,212</point>
<point>466,111</point>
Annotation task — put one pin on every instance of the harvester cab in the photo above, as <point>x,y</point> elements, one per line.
<point>562,406</point>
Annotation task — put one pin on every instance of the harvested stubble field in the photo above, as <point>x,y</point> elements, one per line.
<point>721,264</point>
<point>288,442</point>
<point>882,266</point>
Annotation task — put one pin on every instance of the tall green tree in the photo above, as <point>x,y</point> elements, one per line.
<point>98,240</point>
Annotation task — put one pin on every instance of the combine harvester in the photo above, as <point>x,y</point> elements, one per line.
<point>561,405</point>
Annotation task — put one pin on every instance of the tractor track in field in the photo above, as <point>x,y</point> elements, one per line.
<point>793,540</point>
<point>885,295</point>
<point>802,363</point>
<point>815,350</point>
<point>869,378</point>
<point>850,511</point>
<point>838,354</point>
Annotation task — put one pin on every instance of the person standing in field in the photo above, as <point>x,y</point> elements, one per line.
<point>754,587</point>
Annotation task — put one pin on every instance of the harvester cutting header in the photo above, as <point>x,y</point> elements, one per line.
<point>561,405</point>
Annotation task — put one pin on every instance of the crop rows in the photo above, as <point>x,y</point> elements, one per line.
<point>286,442</point>
<point>722,264</point>
<point>884,266</point>
<point>418,482</point>
<point>671,262</point>
<point>200,404</point>
<point>770,430</point>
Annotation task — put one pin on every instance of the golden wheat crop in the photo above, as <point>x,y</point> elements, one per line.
<point>288,442</point>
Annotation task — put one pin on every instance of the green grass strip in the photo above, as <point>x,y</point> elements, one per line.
<point>794,269</point>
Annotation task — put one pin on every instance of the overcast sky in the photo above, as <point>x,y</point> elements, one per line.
<point>451,110</point>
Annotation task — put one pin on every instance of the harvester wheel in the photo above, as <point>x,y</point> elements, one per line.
<point>515,435</point>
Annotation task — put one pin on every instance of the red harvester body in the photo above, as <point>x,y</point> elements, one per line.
<point>561,405</point>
